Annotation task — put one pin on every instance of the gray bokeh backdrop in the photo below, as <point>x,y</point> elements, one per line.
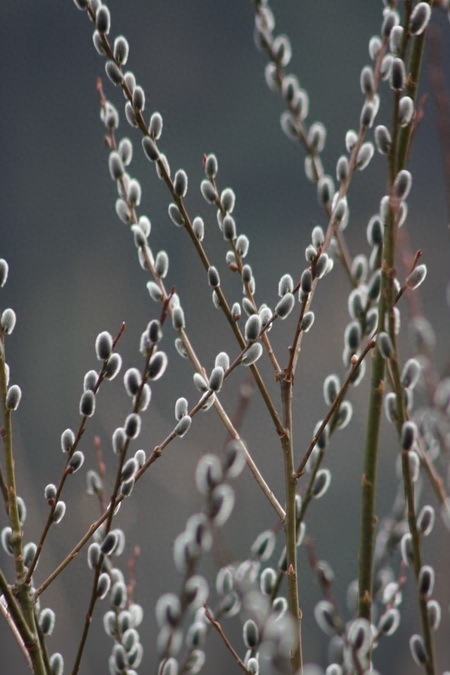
<point>74,270</point>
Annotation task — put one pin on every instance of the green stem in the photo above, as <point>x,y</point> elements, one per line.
<point>290,523</point>
<point>13,511</point>
<point>368,521</point>
<point>14,617</point>
<point>22,591</point>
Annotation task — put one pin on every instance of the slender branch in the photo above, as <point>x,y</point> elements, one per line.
<point>228,644</point>
<point>334,406</point>
<point>290,523</point>
<point>7,435</point>
<point>15,620</point>
<point>368,520</point>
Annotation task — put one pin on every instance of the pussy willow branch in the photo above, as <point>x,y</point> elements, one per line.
<point>332,411</point>
<point>404,141</point>
<point>385,308</point>
<point>397,160</point>
<point>290,523</point>
<point>114,500</point>
<point>21,591</point>
<point>376,409</point>
<point>414,68</point>
<point>412,520</point>
<point>197,245</point>
<point>67,470</point>
<point>250,295</point>
<point>156,453</point>
<point>15,620</point>
<point>149,262</point>
<point>312,152</point>
<point>335,405</point>
<point>228,644</point>
<point>333,227</point>
<point>7,436</point>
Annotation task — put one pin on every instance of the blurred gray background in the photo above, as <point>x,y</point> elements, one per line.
<point>74,272</point>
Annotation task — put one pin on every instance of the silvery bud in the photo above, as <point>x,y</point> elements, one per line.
<point>306,281</point>
<point>405,110</point>
<point>162,264</point>
<point>211,166</point>
<point>121,50</point>
<point>175,215</point>
<point>228,200</point>
<point>342,168</point>
<point>150,148</point>
<point>180,183</point>
<point>325,615</point>
<point>76,461</point>
<point>157,366</point>
<point>402,184</point>
<point>408,435</point>
<point>416,277</point>
<point>389,621</point>
<point>208,191</point>
<point>138,98</point>
<point>178,320</point>
<point>213,277</point>
<point>331,388</point>
<point>420,18</point>
<point>398,74</point>
<point>199,228</point>
<point>366,81</point>
<point>321,483</point>
<point>183,426</point>
<point>350,140</point>
<point>390,20</point>
<point>4,268</point>
<point>13,396</point>
<point>316,136</point>
<point>67,440</point>
<point>132,426</point>
<point>103,19</point>
<point>8,321</point>
<point>229,228</point>
<point>103,585</point>
<point>216,379</point>
<point>87,403</point>
<point>383,139</point>
<point>252,328</point>
<point>368,113</point>
<point>395,39</point>
<point>113,366</point>
<point>134,192</point>
<point>113,71</point>
<point>307,321</point>
<point>116,166</point>
<point>284,307</point>
<point>181,408</point>
<point>252,354</point>
<point>425,520</point>
<point>47,621</point>
<point>434,614</point>
<point>426,580</point>
<point>103,346</point>
<point>418,650</point>
<point>59,511</point>
<point>325,190</point>
<point>410,373</point>
<point>364,156</point>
